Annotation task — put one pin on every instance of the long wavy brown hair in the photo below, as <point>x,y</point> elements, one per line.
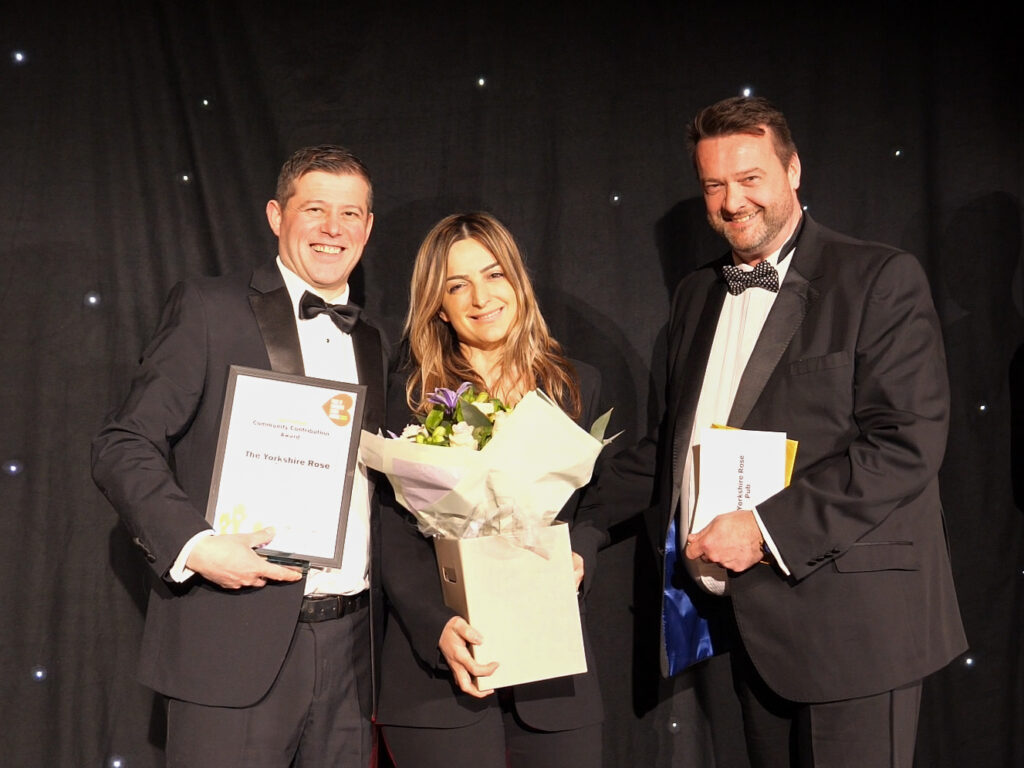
<point>529,356</point>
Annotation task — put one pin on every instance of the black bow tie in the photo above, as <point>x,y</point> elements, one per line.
<point>343,315</point>
<point>761,276</point>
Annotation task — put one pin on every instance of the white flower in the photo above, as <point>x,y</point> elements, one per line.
<point>410,432</point>
<point>485,408</point>
<point>462,436</point>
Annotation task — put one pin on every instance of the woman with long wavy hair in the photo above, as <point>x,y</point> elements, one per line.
<point>473,316</point>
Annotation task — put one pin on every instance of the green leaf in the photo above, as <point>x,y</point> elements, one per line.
<point>483,434</point>
<point>600,425</point>
<point>433,418</point>
<point>474,416</point>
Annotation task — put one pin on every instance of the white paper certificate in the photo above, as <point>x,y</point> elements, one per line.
<point>738,469</point>
<point>285,459</point>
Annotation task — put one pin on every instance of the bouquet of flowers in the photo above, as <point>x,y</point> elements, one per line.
<point>505,470</point>
<point>461,418</point>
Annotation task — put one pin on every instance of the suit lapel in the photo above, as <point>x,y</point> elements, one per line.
<point>275,317</point>
<point>689,364</point>
<point>370,364</point>
<point>787,314</point>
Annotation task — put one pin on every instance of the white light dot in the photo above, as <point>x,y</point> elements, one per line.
<point>19,57</point>
<point>481,82</point>
<point>13,467</point>
<point>746,91</point>
<point>969,661</point>
<point>39,673</point>
<point>983,408</point>
<point>116,761</point>
<point>92,299</point>
<point>185,178</point>
<point>205,103</point>
<point>805,207</point>
<point>673,725</point>
<point>614,198</point>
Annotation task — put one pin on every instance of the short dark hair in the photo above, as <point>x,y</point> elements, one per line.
<point>324,157</point>
<point>742,114</point>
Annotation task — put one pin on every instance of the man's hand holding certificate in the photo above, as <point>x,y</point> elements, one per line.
<point>736,470</point>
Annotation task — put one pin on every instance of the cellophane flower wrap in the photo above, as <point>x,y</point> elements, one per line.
<point>476,468</point>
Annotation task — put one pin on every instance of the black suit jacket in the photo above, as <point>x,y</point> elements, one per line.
<point>850,364</point>
<point>417,688</point>
<point>154,458</point>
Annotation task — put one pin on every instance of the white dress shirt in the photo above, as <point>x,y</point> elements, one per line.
<point>739,325</point>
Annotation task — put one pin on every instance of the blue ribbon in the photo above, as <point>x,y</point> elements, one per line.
<point>687,633</point>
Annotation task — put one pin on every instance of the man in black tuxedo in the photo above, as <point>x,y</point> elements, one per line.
<point>837,590</point>
<point>260,665</point>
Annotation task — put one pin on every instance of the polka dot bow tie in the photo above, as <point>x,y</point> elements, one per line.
<point>761,276</point>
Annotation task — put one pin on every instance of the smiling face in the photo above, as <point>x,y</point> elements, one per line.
<point>478,299</point>
<point>322,228</point>
<point>750,196</point>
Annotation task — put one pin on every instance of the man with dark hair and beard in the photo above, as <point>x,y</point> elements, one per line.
<point>835,593</point>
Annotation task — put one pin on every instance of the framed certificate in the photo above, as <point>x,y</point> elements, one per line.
<point>285,459</point>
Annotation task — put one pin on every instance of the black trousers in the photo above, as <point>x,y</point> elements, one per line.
<point>317,713</point>
<point>878,731</point>
<point>499,739</point>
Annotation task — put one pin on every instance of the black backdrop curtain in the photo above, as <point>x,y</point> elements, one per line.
<point>140,142</point>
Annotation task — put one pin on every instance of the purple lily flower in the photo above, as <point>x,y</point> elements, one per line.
<point>446,397</point>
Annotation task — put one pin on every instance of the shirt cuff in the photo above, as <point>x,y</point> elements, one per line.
<point>770,544</point>
<point>178,571</point>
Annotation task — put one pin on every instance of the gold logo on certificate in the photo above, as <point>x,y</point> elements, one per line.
<point>338,409</point>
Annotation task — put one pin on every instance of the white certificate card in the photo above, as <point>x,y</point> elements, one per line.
<point>737,469</point>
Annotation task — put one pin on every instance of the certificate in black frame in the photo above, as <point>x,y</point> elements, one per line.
<point>279,428</point>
